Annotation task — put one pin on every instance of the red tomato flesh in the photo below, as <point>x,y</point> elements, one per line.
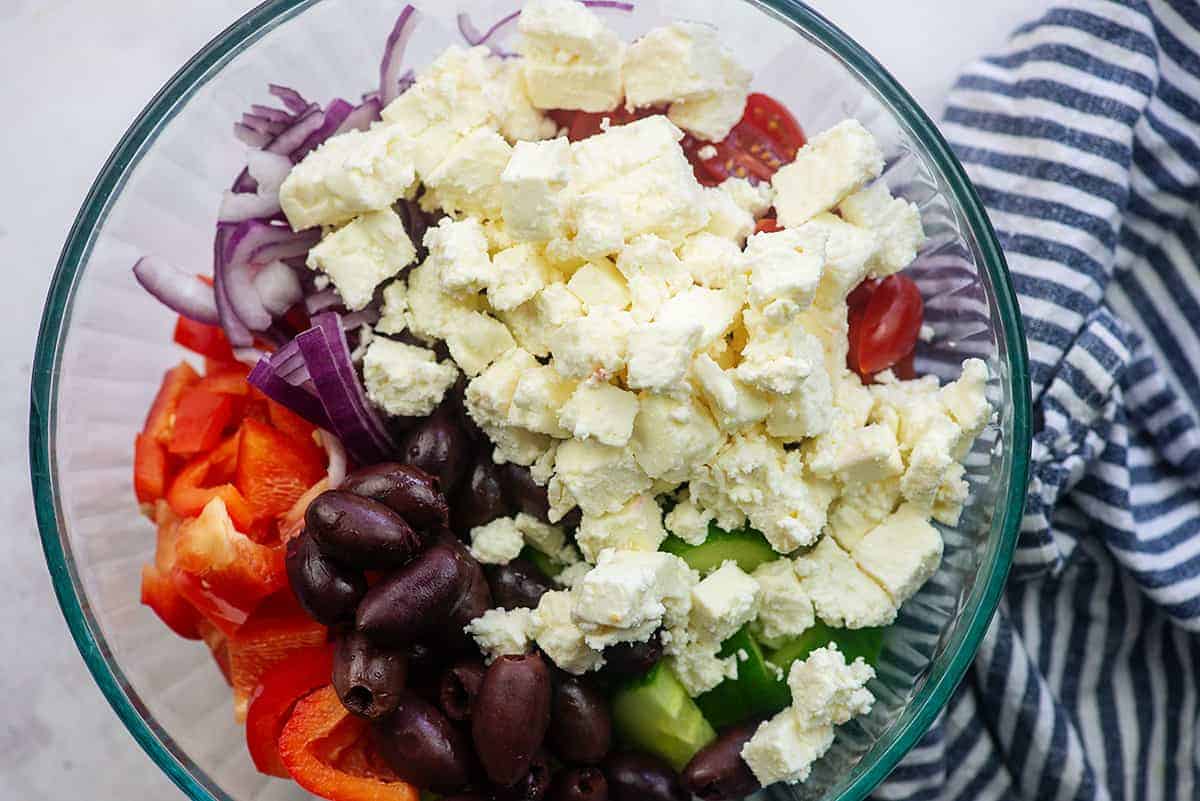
<point>885,320</point>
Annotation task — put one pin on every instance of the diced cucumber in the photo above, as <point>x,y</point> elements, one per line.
<point>549,566</point>
<point>654,714</point>
<point>745,546</point>
<point>853,643</point>
<point>759,690</point>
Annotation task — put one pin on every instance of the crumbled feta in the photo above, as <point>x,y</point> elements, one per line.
<point>895,221</point>
<point>502,632</point>
<point>459,250</point>
<point>778,357</point>
<point>901,553</point>
<point>756,199</point>
<point>825,689</point>
<point>594,345</point>
<point>714,309</point>
<point>517,445</point>
<point>537,398</point>
<point>489,395</point>
<point>405,380</point>
<point>518,274</point>
<point>531,185</point>
<point>592,227</point>
<point>467,180</point>
<point>672,435</point>
<point>629,594</point>
<point>637,526</point>
<point>711,259</point>
<point>782,750</point>
<point>653,272</point>
<point>689,522</point>
<point>857,456</point>
<point>393,315</point>
<point>860,508</point>
<point>784,609</point>
<point>477,340</point>
<point>842,594</point>
<point>848,253</point>
<point>558,636</point>
<point>699,669</point>
<point>598,478</point>
<point>600,411</point>
<point>598,285</point>
<point>785,269</point>
<point>572,574</point>
<point>833,164</point>
<point>362,254</point>
<point>723,602</point>
<point>498,542</point>
<point>675,62</point>
<point>432,313</point>
<point>733,403</point>
<point>572,60</point>
<point>660,353</point>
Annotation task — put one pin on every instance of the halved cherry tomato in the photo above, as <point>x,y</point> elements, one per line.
<point>207,340</point>
<point>207,476</point>
<point>770,117</point>
<point>161,416</point>
<point>158,590</point>
<point>884,327</point>
<point>274,469</point>
<point>582,124</point>
<point>272,700</point>
<point>731,159</point>
<point>200,419</point>
<point>149,469</point>
<point>273,632</point>
<point>328,753</point>
<point>767,225</point>
<point>221,571</point>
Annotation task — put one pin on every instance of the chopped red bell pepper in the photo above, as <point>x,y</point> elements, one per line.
<point>228,380</point>
<point>272,700</point>
<point>207,340</point>
<point>328,753</point>
<point>161,417</point>
<point>288,421</point>
<point>149,469</point>
<point>158,590</point>
<point>221,571</point>
<point>201,417</point>
<point>218,646</point>
<point>274,469</point>
<point>272,633</point>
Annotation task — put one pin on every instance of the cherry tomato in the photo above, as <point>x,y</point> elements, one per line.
<point>767,225</point>
<point>770,117</point>
<point>885,325</point>
<point>582,124</point>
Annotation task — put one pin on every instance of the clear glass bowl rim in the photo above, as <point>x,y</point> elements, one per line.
<point>977,612</point>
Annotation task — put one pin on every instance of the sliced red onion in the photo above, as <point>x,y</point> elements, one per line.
<point>361,117</point>
<point>367,316</point>
<point>298,397</point>
<point>268,170</point>
<point>335,113</point>
<point>263,125</point>
<point>473,37</point>
<point>273,114</point>
<point>181,292</point>
<point>615,4</point>
<point>337,458</point>
<point>246,134</point>
<point>251,244</point>
<point>292,138</point>
<point>235,330</point>
<point>278,288</point>
<point>290,97</point>
<point>320,301</point>
<point>390,67</point>
<point>239,206</point>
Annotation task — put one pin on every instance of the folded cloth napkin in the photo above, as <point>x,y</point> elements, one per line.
<point>1083,139</point>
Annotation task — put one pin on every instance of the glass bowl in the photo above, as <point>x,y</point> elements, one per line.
<point>104,345</point>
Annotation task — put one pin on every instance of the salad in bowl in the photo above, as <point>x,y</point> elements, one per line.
<point>553,429</point>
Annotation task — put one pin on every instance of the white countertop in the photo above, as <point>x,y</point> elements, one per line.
<point>75,74</point>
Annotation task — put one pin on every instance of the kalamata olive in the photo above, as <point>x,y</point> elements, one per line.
<point>480,499</point>
<point>361,532</point>
<point>523,493</point>
<point>405,489</point>
<point>475,600</point>
<point>458,687</point>
<point>518,584</point>
<point>717,772</point>
<point>580,723</point>
<point>423,747</point>
<point>415,598</point>
<point>368,679</point>
<point>633,658</point>
<point>579,784</point>
<point>640,777</point>
<point>327,591</point>
<point>533,786</point>
<point>439,447</point>
<point>467,797</point>
<point>511,715</point>
<point>571,519</point>
<point>425,666</point>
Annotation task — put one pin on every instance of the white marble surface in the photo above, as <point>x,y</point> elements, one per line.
<point>74,75</point>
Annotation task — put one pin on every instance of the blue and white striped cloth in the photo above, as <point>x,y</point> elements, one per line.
<point>1083,139</point>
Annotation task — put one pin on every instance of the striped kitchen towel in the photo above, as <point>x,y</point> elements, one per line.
<point>1083,139</point>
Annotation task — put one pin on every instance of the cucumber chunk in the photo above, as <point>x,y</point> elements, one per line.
<point>745,546</point>
<point>548,565</point>
<point>853,643</point>
<point>758,691</point>
<point>653,713</point>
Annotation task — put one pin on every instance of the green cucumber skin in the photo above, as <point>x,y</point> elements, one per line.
<point>853,643</point>
<point>756,692</point>
<point>745,546</point>
<point>643,717</point>
<point>547,565</point>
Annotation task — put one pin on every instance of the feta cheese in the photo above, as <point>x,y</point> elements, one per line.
<point>404,380</point>
<point>537,398</point>
<point>362,254</point>
<point>351,173</point>
<point>637,526</point>
<point>966,400</point>
<point>726,218</point>
<point>467,180</point>
<point>901,553</point>
<point>860,508</point>
<point>842,594</point>
<point>498,542</point>
<point>673,435</point>
<point>502,632</point>
<point>477,340</point>
<point>785,269</point>
<point>833,164</point>
<point>489,395</point>
<point>530,188</point>
<point>518,274</point>
<point>653,272</point>
<point>699,669</point>
<point>592,227</point>
<point>600,411</point>
<point>723,602</point>
<point>848,253</point>
<point>756,199</point>
<point>517,445</point>
<point>857,455</point>
<point>629,594</point>
<point>732,402</point>
<point>711,259</point>
<point>777,357</point>
<point>715,310</point>
<point>598,478</point>
<point>459,250</point>
<point>558,636</point>
<point>660,352</point>
<point>587,87</point>
<point>598,285</point>
<point>393,316</point>
<point>712,116</point>
<point>807,412</point>
<point>950,497</point>
<point>572,574</point>
<point>825,689</point>
<point>675,62</point>
<point>784,610</point>
<point>592,345</point>
<point>549,539</point>
<point>689,522</point>
<point>519,120</point>
<point>432,313</point>
<point>895,221</point>
<point>782,750</point>
<point>572,60</point>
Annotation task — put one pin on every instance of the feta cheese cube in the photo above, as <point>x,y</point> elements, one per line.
<point>629,594</point>
<point>784,609</point>
<point>966,401</point>
<point>351,173</point>
<point>842,594</point>
<point>553,27</point>
<point>530,188</point>
<point>673,435</point>
<point>519,120</point>
<point>518,274</point>
<point>833,164</point>
<point>559,637</point>
<point>785,269</point>
<point>637,526</point>
<point>777,357</point>
<point>807,412</point>
<point>857,455</point>
<point>599,478</point>
<point>756,199</point>
<point>950,497</point>
<point>404,380</point>
<point>467,180</point>
<point>727,219</point>
<point>689,522</point>
<point>848,253</point>
<point>549,539</point>
<point>711,117</point>
<point>489,395</point>
<point>714,309</point>
<point>673,62</point>
<point>723,602</point>
<point>477,340</point>
<point>733,403</point>
<point>393,317</point>
<point>585,86</point>
<point>593,345</point>
<point>827,690</point>
<point>782,750</point>
<point>653,272</point>
<point>537,398</point>
<point>572,60</point>
<point>711,259</point>
<point>860,508</point>
<point>498,542</point>
<point>517,445</point>
<point>600,411</point>
<point>598,285</point>
<point>895,221</point>
<point>502,632</point>
<point>929,461</point>
<point>432,313</point>
<point>699,669</point>
<point>901,553</point>
<point>362,254</point>
<point>572,574</point>
<point>593,227</point>
<point>660,352</point>
<point>459,250</point>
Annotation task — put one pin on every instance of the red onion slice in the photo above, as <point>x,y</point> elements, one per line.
<point>268,170</point>
<point>278,288</point>
<point>393,55</point>
<point>239,206</point>
<point>246,134</point>
<point>361,117</point>
<point>179,291</point>
<point>337,458</point>
<point>292,138</point>
<point>290,97</point>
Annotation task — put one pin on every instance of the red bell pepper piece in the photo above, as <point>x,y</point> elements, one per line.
<point>149,469</point>
<point>158,590</point>
<point>288,421</point>
<point>201,417</point>
<point>273,632</point>
<point>271,703</point>
<point>209,476</point>
<point>274,469</point>
<point>218,646</point>
<point>207,340</point>
<point>221,571</point>
<point>328,753</point>
<point>161,417</point>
